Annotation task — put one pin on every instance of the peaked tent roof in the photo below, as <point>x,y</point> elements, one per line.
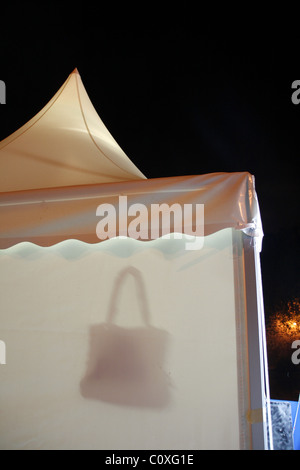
<point>53,170</point>
<point>65,144</point>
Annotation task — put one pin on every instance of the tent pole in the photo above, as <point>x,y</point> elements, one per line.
<point>259,413</point>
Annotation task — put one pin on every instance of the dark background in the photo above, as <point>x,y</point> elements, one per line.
<point>182,91</point>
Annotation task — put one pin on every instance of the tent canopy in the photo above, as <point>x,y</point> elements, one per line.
<point>60,166</point>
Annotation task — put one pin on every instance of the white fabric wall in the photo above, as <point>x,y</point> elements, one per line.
<point>51,297</point>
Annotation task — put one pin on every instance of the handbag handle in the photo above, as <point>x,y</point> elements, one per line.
<point>135,273</point>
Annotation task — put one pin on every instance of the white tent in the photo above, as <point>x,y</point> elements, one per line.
<point>125,343</point>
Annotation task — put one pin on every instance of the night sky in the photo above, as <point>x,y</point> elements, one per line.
<point>181,93</point>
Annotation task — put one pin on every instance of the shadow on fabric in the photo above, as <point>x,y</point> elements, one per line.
<point>126,366</point>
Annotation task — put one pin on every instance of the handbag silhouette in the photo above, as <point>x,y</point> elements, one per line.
<point>125,366</point>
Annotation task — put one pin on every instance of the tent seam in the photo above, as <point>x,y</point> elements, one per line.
<point>62,89</point>
<point>92,138</point>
